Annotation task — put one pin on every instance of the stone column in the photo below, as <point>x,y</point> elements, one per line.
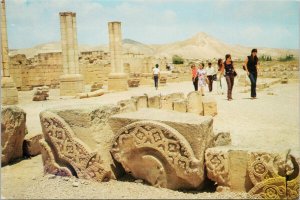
<point>71,82</point>
<point>9,92</point>
<point>117,79</point>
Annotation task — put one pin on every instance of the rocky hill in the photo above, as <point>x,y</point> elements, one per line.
<point>200,46</point>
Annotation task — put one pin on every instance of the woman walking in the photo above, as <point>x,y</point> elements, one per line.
<point>220,77</point>
<point>201,73</point>
<point>194,77</point>
<point>229,75</point>
<point>251,64</point>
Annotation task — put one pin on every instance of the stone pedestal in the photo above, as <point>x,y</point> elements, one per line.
<point>71,84</point>
<point>9,92</point>
<point>117,82</point>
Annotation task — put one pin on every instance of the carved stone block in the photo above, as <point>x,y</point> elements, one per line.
<point>140,101</point>
<point>154,101</point>
<point>31,144</point>
<point>78,147</point>
<point>166,101</point>
<point>194,103</point>
<point>196,132</point>
<point>180,105</point>
<point>13,130</point>
<point>127,105</point>
<point>209,106</point>
<point>241,168</point>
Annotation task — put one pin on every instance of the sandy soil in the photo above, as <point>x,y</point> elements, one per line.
<point>271,121</point>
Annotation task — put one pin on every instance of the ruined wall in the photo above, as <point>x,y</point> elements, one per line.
<point>94,66</point>
<point>46,68</point>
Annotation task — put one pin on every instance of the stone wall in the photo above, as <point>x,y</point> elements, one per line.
<point>46,68</point>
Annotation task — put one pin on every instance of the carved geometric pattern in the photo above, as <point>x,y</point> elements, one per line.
<point>217,167</point>
<point>161,151</point>
<point>50,166</point>
<point>271,188</point>
<point>262,166</point>
<point>292,189</point>
<point>71,150</point>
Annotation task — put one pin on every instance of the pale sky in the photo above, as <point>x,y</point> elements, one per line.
<point>254,23</point>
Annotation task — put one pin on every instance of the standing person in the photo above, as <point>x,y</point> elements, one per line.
<point>210,72</point>
<point>156,73</point>
<point>220,77</point>
<point>201,73</point>
<point>251,64</point>
<point>229,75</point>
<point>194,77</point>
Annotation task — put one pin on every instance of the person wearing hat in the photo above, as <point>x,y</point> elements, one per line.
<point>156,73</point>
<point>251,65</point>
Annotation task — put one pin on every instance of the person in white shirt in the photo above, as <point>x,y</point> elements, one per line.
<point>210,73</point>
<point>156,73</point>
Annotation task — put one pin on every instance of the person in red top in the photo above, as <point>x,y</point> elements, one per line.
<point>194,77</point>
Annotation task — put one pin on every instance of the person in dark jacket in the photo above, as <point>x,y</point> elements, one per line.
<point>251,65</point>
<point>229,75</point>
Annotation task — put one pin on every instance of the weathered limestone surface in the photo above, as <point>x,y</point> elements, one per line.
<point>9,93</point>
<point>71,82</point>
<point>89,134</point>
<point>31,145</point>
<point>117,79</point>
<point>151,138</point>
<point>127,105</point>
<point>133,82</point>
<point>194,103</point>
<point>154,101</point>
<point>96,86</point>
<point>13,130</point>
<point>209,106</point>
<point>222,138</point>
<point>267,174</point>
<point>140,101</point>
<point>41,94</point>
<point>180,105</point>
<point>166,101</point>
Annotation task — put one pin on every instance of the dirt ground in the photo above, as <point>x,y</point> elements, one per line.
<point>271,121</point>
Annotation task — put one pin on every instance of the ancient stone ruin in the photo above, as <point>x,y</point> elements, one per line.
<point>41,94</point>
<point>9,93</point>
<point>13,131</point>
<point>117,79</point>
<point>181,152</point>
<point>71,82</point>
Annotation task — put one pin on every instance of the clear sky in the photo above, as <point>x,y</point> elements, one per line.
<point>253,23</point>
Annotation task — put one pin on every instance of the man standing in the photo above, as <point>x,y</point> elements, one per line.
<point>251,64</point>
<point>156,73</point>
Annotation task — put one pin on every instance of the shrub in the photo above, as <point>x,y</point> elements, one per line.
<point>177,59</point>
<point>286,58</point>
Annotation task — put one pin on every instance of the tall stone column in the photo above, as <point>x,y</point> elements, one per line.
<point>71,82</point>
<point>117,79</point>
<point>9,92</point>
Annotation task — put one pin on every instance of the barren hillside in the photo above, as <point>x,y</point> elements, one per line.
<point>200,46</point>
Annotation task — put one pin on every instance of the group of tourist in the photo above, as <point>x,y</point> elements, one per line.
<point>206,76</point>
<point>202,77</point>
